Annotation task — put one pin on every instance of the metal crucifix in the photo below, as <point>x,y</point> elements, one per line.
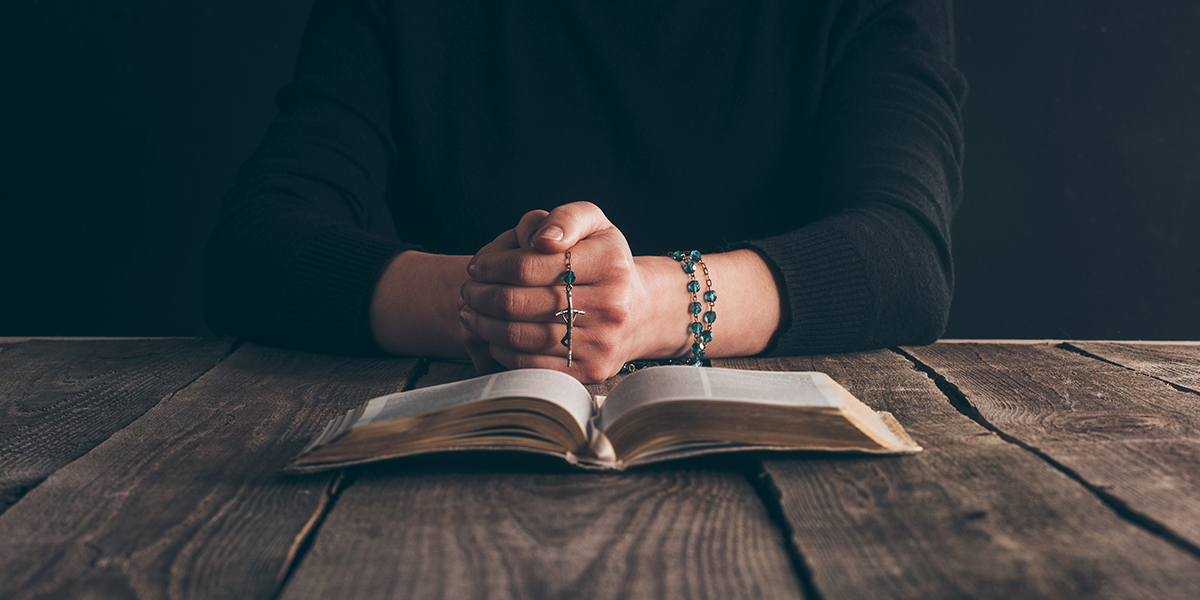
<point>569,313</point>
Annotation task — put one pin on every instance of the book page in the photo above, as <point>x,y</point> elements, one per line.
<point>543,384</point>
<point>667,383</point>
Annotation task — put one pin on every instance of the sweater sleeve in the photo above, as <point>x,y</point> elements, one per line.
<point>304,233</point>
<point>875,270</point>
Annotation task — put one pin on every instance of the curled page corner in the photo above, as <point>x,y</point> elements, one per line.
<point>600,448</point>
<point>593,464</point>
<point>600,452</point>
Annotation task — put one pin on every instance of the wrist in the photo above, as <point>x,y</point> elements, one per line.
<point>666,309</point>
<point>414,307</point>
<point>752,308</point>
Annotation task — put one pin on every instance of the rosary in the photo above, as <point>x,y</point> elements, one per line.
<point>569,313</point>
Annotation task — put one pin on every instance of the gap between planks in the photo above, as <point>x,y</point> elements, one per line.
<point>344,479</point>
<point>17,495</point>
<point>303,539</point>
<point>1071,347</point>
<point>771,497</point>
<point>960,402</point>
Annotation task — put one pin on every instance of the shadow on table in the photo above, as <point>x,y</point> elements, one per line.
<point>500,462</point>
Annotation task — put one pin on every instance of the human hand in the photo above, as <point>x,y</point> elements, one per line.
<point>515,288</point>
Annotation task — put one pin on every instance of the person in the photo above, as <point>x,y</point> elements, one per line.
<point>810,151</point>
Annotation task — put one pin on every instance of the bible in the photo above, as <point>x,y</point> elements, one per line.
<point>655,414</point>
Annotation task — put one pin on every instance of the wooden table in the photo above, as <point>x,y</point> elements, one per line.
<point>149,469</point>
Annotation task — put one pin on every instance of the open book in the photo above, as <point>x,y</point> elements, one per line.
<point>653,415</point>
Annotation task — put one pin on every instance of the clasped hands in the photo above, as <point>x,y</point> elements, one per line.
<point>507,306</point>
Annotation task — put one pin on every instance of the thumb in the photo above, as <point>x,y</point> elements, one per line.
<point>567,224</point>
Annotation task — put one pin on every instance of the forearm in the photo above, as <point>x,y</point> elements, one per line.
<point>414,307</point>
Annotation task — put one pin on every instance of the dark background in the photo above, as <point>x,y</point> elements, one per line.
<point>124,122</point>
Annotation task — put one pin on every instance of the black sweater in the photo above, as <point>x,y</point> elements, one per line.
<point>827,136</point>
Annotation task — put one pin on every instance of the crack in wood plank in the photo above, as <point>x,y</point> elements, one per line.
<point>955,396</point>
<point>304,538</point>
<point>1190,382</point>
<point>771,497</point>
<point>960,400</point>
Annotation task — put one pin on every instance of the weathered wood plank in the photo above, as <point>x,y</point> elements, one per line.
<point>528,530</point>
<point>1174,363</point>
<point>969,517</point>
<point>186,502</point>
<point>1131,438</point>
<point>58,400</point>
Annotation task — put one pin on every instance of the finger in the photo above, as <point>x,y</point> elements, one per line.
<point>567,224</point>
<point>515,303</point>
<point>480,353</point>
<point>517,267</point>
<point>584,370</point>
<point>602,256</point>
<point>512,359</point>
<point>530,223</point>
<point>535,338</point>
<point>594,259</point>
<point>505,242</point>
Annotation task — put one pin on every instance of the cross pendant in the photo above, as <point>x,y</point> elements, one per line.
<point>568,314</point>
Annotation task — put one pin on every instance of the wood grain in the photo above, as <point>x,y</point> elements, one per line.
<point>186,502</point>
<point>1132,438</point>
<point>59,399</point>
<point>529,529</point>
<point>1174,363</point>
<point>971,516</point>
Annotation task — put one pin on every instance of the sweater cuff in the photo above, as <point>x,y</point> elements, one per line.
<point>329,286</point>
<point>826,290</point>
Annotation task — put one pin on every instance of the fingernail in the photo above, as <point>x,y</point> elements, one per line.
<point>471,269</point>
<point>464,315</point>
<point>553,232</point>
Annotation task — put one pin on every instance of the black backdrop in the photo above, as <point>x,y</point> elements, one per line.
<point>124,121</point>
